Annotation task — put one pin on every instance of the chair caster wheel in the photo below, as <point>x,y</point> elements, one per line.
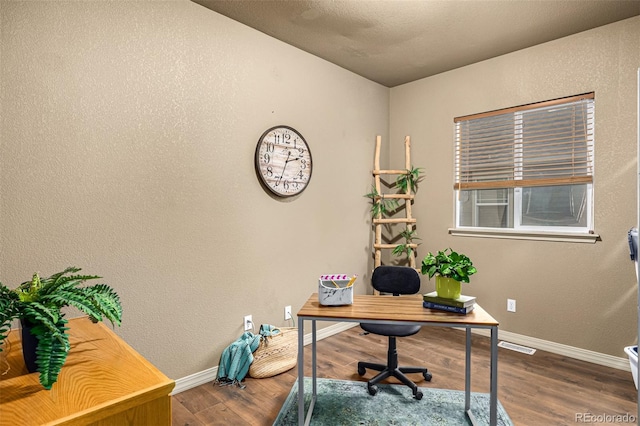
<point>418,395</point>
<point>373,389</point>
<point>427,376</point>
<point>361,370</point>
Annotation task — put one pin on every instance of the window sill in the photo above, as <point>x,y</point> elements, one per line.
<point>525,235</point>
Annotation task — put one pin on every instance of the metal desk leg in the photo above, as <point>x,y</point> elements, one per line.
<point>493,398</point>
<point>467,373</point>
<point>300,371</point>
<point>467,379</point>
<point>313,363</point>
<point>302,421</point>
<point>493,391</point>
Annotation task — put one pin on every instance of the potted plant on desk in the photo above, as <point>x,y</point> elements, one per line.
<point>38,303</point>
<point>450,269</point>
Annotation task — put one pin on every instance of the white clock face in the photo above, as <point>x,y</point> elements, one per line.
<point>283,161</point>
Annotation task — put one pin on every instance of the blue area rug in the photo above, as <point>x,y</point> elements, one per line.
<point>348,403</point>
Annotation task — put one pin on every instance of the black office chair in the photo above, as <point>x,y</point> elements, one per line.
<point>396,280</point>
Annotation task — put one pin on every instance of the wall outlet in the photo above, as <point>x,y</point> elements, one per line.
<point>248,322</point>
<point>511,305</point>
<point>287,312</point>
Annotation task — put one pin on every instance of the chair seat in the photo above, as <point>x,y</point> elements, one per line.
<point>394,280</point>
<point>394,330</point>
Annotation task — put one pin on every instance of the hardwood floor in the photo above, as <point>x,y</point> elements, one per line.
<point>539,389</point>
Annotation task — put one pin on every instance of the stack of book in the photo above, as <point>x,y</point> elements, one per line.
<point>461,305</point>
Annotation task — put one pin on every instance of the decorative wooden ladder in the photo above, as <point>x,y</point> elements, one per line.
<point>407,197</point>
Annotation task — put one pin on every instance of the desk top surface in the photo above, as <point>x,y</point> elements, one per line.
<point>101,370</point>
<point>388,308</point>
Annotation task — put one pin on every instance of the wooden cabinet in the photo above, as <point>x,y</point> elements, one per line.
<point>103,382</point>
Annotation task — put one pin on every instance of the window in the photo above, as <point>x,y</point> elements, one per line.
<point>527,168</point>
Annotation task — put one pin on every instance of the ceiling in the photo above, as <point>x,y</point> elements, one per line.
<point>394,42</point>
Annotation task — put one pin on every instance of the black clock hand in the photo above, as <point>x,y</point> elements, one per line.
<point>285,166</point>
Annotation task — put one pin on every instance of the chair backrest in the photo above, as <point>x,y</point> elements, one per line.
<point>396,279</point>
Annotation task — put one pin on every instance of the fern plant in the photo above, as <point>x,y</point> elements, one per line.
<point>38,303</point>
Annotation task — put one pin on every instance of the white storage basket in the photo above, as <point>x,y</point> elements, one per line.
<point>329,294</point>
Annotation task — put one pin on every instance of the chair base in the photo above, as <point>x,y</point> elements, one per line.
<point>391,369</point>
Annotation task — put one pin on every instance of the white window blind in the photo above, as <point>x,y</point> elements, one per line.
<point>543,144</point>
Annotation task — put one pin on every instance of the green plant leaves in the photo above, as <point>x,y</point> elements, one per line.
<point>106,302</point>
<point>409,236</point>
<point>408,182</point>
<point>401,248</point>
<point>51,352</point>
<point>40,301</point>
<point>8,311</point>
<point>451,265</point>
<point>381,206</point>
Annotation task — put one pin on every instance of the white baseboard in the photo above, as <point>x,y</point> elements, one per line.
<point>329,331</point>
<point>209,375</point>
<point>560,349</point>
<point>195,380</point>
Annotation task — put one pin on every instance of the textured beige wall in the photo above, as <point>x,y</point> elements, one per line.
<point>126,148</point>
<point>582,295</point>
<point>127,141</point>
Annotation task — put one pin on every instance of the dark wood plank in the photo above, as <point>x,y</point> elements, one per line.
<point>535,389</point>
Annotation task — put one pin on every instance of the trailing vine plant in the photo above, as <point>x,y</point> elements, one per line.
<point>409,236</point>
<point>408,182</point>
<point>380,206</point>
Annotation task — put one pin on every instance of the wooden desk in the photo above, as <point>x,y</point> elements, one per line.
<point>103,382</point>
<point>396,310</point>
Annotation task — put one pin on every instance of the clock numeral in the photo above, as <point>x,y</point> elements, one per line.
<point>303,164</point>
<point>300,174</point>
<point>270,171</point>
<point>266,157</point>
<point>270,147</point>
<point>287,138</point>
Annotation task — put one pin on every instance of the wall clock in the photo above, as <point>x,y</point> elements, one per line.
<point>283,161</point>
